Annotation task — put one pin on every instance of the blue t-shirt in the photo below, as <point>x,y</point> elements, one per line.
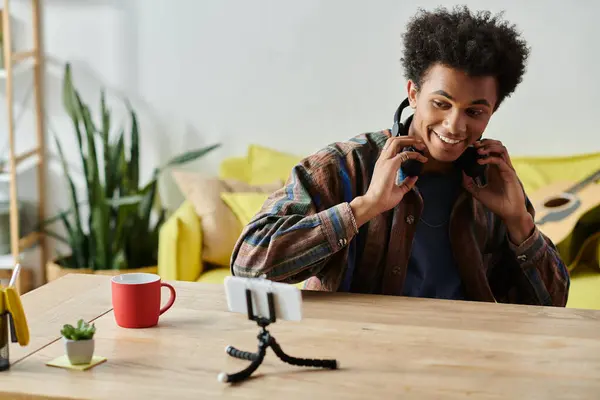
<point>432,270</point>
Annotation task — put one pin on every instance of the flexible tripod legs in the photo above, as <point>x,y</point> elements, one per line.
<point>265,339</point>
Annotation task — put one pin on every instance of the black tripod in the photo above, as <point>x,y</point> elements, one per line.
<point>265,339</point>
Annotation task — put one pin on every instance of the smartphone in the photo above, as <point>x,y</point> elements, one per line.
<point>287,298</point>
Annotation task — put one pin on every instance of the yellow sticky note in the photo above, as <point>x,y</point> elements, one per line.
<point>63,362</point>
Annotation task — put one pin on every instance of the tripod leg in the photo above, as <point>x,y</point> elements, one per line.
<point>301,362</point>
<point>245,373</point>
<point>243,355</point>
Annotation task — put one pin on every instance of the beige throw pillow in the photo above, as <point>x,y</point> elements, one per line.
<point>220,227</point>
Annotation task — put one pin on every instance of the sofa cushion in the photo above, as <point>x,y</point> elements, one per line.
<point>585,282</point>
<point>215,275</point>
<point>220,226</point>
<point>245,205</point>
<point>267,165</point>
<point>179,245</point>
<point>236,168</point>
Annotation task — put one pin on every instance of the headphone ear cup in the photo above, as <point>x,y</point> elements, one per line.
<point>412,167</point>
<point>468,163</point>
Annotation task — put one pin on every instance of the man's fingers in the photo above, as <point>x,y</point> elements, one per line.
<point>404,156</point>
<point>486,142</point>
<point>492,148</point>
<point>469,184</point>
<point>407,184</point>
<point>496,160</point>
<point>495,148</point>
<point>395,145</point>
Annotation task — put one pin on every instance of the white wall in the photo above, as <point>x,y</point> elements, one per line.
<point>302,74</point>
<point>297,75</point>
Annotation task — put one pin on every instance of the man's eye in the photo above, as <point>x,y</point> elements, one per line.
<point>439,104</point>
<point>474,112</point>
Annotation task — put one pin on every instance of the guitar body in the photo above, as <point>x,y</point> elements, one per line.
<point>558,212</point>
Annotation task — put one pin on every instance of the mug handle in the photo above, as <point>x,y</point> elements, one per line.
<point>171,299</point>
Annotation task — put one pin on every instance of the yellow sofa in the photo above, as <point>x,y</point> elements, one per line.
<point>181,236</point>
<point>250,180</point>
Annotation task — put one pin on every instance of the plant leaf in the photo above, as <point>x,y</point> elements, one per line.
<point>124,184</point>
<point>115,172</point>
<point>69,100</point>
<point>127,218</point>
<point>55,218</point>
<point>92,158</point>
<point>134,160</point>
<point>100,227</point>
<point>108,168</point>
<point>59,216</point>
<point>119,260</point>
<point>189,156</point>
<point>124,201</point>
<point>145,206</point>
<point>77,257</point>
<point>72,104</point>
<point>56,236</point>
<point>97,217</point>
<point>77,233</point>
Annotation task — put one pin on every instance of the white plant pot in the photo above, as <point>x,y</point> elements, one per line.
<point>79,351</point>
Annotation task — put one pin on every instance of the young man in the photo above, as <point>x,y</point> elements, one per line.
<point>344,222</point>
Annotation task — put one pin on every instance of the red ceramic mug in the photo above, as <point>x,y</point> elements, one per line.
<point>136,299</point>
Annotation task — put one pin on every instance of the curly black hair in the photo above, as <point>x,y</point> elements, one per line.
<point>477,43</point>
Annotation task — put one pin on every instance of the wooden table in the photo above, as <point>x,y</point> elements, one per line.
<point>388,347</point>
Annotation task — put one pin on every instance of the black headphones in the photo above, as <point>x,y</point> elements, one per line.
<point>467,161</point>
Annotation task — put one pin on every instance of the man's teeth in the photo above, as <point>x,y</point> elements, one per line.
<point>445,139</point>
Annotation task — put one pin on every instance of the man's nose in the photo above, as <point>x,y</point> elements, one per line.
<point>456,122</point>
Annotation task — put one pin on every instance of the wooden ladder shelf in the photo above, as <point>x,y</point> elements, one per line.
<point>13,62</point>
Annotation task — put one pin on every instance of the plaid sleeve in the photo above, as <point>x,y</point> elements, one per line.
<point>300,226</point>
<point>543,268</point>
<point>529,273</point>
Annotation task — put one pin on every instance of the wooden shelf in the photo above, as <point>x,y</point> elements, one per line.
<point>21,62</point>
<point>29,240</point>
<point>29,259</point>
<point>23,166</point>
<point>23,55</point>
<point>18,68</point>
<point>7,261</point>
<point>26,278</point>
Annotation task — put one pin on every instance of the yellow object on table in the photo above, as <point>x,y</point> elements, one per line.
<point>63,362</point>
<point>10,302</point>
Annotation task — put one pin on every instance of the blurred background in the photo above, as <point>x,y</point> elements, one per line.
<point>292,76</point>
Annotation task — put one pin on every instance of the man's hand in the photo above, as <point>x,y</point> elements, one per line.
<point>383,193</point>
<point>503,194</point>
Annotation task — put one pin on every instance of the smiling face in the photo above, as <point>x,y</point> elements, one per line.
<point>452,110</point>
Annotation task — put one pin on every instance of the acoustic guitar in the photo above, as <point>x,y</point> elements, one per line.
<point>561,205</point>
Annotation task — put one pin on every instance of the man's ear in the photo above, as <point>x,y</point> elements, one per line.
<point>413,92</point>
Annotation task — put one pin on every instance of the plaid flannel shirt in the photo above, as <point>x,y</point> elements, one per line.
<point>306,231</point>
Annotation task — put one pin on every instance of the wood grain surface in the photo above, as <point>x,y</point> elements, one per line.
<point>388,347</point>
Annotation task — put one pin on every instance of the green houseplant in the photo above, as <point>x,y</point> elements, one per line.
<point>79,342</point>
<point>123,216</point>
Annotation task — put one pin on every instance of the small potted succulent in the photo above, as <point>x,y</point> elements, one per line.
<point>79,342</point>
